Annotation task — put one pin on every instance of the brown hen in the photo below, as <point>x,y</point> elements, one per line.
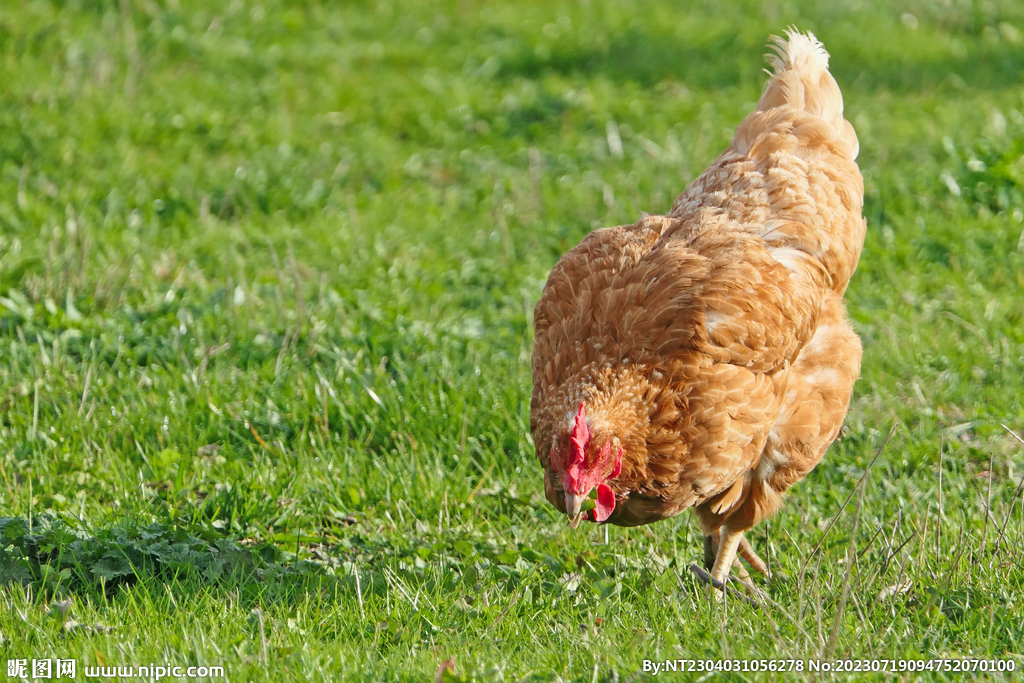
<point>703,359</point>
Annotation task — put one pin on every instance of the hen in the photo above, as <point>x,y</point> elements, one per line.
<point>703,358</point>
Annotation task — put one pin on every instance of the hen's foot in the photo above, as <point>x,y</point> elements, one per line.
<point>719,559</point>
<point>744,550</point>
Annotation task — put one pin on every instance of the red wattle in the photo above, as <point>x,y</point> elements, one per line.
<point>605,503</point>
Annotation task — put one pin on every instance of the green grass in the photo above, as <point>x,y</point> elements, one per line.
<point>267,274</point>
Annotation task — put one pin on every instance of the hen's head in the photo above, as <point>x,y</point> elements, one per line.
<point>583,466</point>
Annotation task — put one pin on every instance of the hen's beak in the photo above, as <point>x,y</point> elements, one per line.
<point>572,508</point>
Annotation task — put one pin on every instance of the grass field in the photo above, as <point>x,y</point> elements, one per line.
<point>267,275</point>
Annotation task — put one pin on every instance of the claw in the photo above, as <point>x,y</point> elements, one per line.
<point>719,588</point>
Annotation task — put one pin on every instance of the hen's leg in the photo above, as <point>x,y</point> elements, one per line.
<point>728,544</point>
<point>744,550</point>
<point>712,552</point>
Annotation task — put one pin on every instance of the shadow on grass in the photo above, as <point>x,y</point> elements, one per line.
<point>56,559</point>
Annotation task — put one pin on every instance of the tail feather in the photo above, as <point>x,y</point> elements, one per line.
<point>798,51</point>
<point>800,80</point>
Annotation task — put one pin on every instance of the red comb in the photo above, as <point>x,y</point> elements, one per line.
<point>580,437</point>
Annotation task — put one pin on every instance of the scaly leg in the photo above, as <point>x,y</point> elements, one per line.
<point>745,551</point>
<point>728,545</point>
<point>718,586</point>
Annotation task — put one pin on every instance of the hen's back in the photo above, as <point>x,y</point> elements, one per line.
<point>789,175</point>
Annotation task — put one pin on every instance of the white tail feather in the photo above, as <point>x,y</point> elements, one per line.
<point>797,51</point>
